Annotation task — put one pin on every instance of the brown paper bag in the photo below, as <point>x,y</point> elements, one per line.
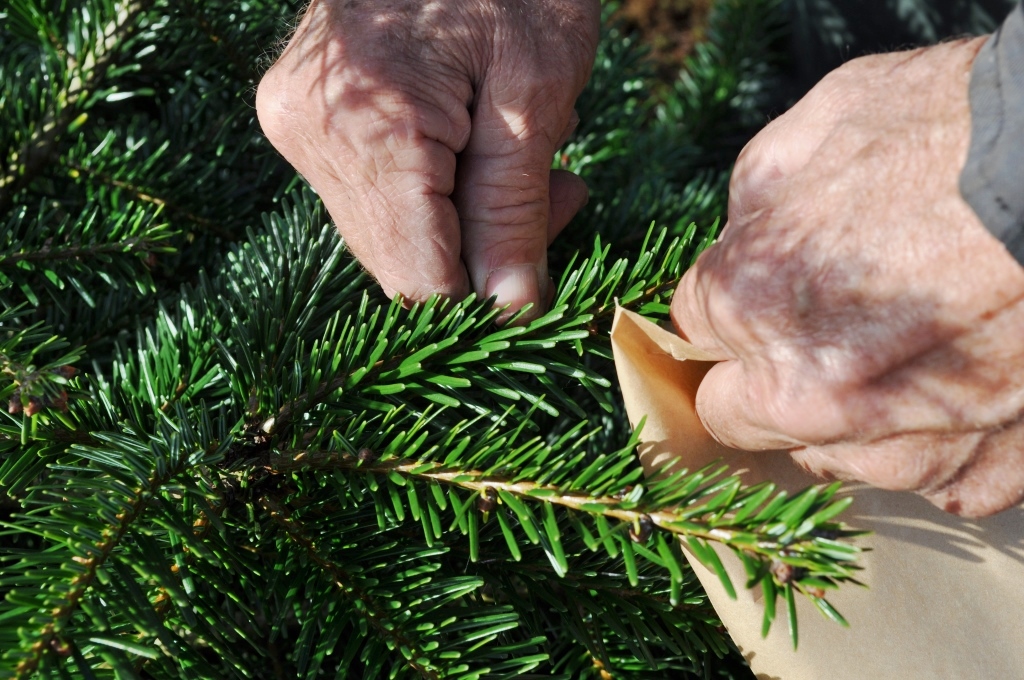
<point>945,596</point>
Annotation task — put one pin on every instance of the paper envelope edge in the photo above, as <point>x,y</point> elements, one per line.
<point>934,579</point>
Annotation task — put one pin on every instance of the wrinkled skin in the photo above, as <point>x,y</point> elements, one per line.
<point>866,319</point>
<point>428,128</point>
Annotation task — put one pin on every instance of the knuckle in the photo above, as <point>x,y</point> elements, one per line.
<point>506,191</point>
<point>517,221</point>
<point>512,248</point>
<point>989,480</point>
<point>854,72</point>
<point>921,462</point>
<point>901,473</point>
<point>757,167</point>
<point>272,107</point>
<point>890,477</point>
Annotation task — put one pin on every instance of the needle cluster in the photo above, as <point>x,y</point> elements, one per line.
<point>227,455</point>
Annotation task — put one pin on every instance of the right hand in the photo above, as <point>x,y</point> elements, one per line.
<point>428,129</point>
<point>865,317</point>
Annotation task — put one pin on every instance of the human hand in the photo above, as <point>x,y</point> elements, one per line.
<point>428,129</point>
<point>866,319</point>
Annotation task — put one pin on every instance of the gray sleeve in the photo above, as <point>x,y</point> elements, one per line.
<point>992,181</point>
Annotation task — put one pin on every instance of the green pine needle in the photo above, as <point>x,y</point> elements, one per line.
<point>226,455</point>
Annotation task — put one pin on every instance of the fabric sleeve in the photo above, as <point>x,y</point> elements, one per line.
<point>992,181</point>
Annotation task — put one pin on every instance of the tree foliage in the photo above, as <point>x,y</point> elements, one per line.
<point>226,454</point>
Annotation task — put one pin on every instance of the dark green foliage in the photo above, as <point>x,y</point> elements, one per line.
<point>227,455</point>
<point>665,153</point>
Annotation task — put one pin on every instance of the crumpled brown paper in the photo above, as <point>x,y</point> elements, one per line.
<point>945,596</point>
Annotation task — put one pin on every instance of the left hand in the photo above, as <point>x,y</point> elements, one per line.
<point>428,130</point>
<point>866,319</point>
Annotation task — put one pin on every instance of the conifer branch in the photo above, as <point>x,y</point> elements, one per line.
<point>243,65</point>
<point>48,635</point>
<point>81,251</point>
<point>346,584</point>
<point>683,521</point>
<point>316,395</point>
<point>41,147</point>
<point>76,170</point>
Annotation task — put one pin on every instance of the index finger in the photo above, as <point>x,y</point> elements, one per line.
<point>695,304</point>
<point>737,401</point>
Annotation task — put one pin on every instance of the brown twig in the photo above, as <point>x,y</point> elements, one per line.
<point>110,538</point>
<point>148,196</point>
<point>478,482</point>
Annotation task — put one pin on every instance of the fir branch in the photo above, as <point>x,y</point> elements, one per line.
<point>587,296</point>
<point>346,584</point>
<point>703,518</point>
<point>41,146</point>
<point>48,635</point>
<point>77,170</point>
<point>244,66</point>
<point>317,395</point>
<point>82,251</point>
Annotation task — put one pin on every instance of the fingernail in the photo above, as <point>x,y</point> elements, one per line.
<point>515,286</point>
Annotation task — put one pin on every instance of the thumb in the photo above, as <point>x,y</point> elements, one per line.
<point>503,196</point>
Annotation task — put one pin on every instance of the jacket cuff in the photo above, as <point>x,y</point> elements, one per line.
<point>992,181</point>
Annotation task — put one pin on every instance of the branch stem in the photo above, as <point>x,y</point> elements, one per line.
<point>476,481</point>
<point>79,585</point>
<point>280,422</point>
